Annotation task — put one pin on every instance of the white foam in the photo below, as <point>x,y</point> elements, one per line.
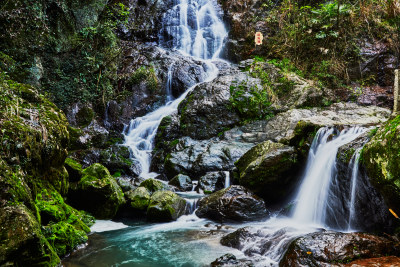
<point>104,226</point>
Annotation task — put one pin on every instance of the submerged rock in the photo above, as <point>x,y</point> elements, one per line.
<point>165,206</point>
<point>182,182</point>
<point>234,203</point>
<point>269,170</point>
<point>334,249</point>
<point>97,192</point>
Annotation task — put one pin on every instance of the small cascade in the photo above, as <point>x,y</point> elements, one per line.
<point>354,164</point>
<point>106,119</point>
<point>227,179</point>
<point>191,205</point>
<point>315,199</point>
<point>168,90</point>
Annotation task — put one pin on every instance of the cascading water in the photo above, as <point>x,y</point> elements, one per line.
<point>227,179</point>
<point>314,197</point>
<point>199,35</point>
<point>354,163</point>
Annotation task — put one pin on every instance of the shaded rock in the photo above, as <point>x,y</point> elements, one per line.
<point>269,169</point>
<point>332,249</point>
<point>381,159</point>
<point>235,239</point>
<point>212,182</point>
<point>230,260</point>
<point>139,198</point>
<point>235,203</point>
<point>22,242</point>
<point>165,206</point>
<point>74,170</point>
<point>381,261</point>
<point>97,192</point>
<point>117,160</point>
<point>182,182</point>
<point>370,213</point>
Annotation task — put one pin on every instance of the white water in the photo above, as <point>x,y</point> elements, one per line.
<point>104,226</point>
<point>312,198</point>
<point>227,179</point>
<point>210,33</point>
<point>354,162</point>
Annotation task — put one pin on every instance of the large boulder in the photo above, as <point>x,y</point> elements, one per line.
<point>97,192</point>
<point>381,159</point>
<point>334,249</point>
<point>234,203</point>
<point>182,182</point>
<point>165,206</point>
<point>269,169</point>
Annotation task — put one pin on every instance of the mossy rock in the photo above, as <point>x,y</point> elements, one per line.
<point>84,116</point>
<point>139,198</point>
<point>268,169</point>
<point>97,192</point>
<point>21,241</point>
<point>74,170</point>
<point>165,206</point>
<point>381,157</point>
<point>64,237</point>
<point>153,185</point>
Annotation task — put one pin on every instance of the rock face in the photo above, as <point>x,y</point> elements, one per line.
<point>370,211</point>
<point>139,198</point>
<point>97,192</point>
<point>33,216</point>
<point>268,169</point>
<point>381,159</point>
<point>165,206</point>
<point>334,249</point>
<point>234,203</point>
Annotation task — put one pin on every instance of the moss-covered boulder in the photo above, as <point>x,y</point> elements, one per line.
<point>182,182</point>
<point>21,241</point>
<point>381,157</point>
<point>97,192</point>
<point>139,198</point>
<point>268,169</point>
<point>74,169</point>
<point>153,185</point>
<point>165,206</point>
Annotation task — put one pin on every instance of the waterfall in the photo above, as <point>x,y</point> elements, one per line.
<point>315,198</point>
<point>194,27</point>
<point>354,164</point>
<point>196,30</point>
<point>227,179</point>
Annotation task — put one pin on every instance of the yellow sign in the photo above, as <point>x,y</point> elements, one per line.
<point>259,38</point>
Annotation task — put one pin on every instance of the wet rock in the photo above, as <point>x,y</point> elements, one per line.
<point>234,203</point>
<point>212,182</point>
<point>126,183</point>
<point>333,249</point>
<point>381,261</point>
<point>117,160</point>
<point>182,182</point>
<point>234,240</point>
<point>230,260</point>
<point>165,206</point>
<point>97,192</point>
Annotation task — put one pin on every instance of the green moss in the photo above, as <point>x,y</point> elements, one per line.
<point>139,198</point>
<point>74,169</point>
<point>165,206</point>
<point>153,185</point>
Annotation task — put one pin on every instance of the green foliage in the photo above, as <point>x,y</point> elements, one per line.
<point>250,101</point>
<point>145,74</point>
